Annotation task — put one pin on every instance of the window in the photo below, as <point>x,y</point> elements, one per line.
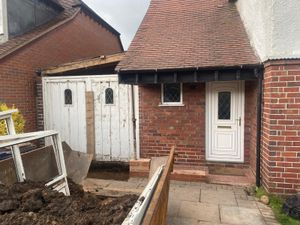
<point>224,105</point>
<point>172,94</point>
<point>109,96</point>
<point>68,97</point>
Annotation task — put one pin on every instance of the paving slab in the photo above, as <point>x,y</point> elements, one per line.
<point>199,211</point>
<point>182,221</point>
<point>246,203</point>
<point>185,194</point>
<point>240,216</point>
<point>224,197</point>
<point>173,208</point>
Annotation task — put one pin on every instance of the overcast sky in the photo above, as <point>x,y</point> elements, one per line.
<point>124,15</point>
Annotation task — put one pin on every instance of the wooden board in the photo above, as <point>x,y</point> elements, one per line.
<point>158,208</point>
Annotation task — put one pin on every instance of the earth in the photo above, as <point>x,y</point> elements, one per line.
<point>32,203</point>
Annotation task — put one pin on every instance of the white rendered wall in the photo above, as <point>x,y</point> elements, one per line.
<point>273,27</point>
<point>3,21</point>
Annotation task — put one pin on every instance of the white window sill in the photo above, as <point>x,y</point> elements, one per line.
<point>171,105</point>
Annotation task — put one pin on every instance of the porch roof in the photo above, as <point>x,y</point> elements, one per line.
<point>188,35</point>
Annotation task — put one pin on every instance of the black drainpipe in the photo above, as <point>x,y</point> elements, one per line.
<point>133,122</point>
<point>259,124</point>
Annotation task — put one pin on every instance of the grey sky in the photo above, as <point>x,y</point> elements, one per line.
<point>124,15</point>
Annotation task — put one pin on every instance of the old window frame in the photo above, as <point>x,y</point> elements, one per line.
<point>163,103</point>
<point>113,95</point>
<point>68,91</point>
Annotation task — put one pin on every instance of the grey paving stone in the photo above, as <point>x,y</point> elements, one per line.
<point>225,187</point>
<point>246,204</point>
<point>211,223</point>
<point>181,221</point>
<point>224,197</point>
<point>199,211</point>
<point>240,216</point>
<point>173,208</point>
<point>205,186</point>
<point>185,194</point>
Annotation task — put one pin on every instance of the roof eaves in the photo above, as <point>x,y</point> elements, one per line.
<point>39,35</point>
<point>97,18</point>
<point>210,68</point>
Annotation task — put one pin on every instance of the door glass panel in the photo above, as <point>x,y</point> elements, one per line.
<point>224,105</point>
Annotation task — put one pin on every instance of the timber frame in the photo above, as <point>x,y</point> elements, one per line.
<point>196,75</point>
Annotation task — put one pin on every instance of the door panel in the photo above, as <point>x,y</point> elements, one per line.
<point>112,121</point>
<point>224,126</point>
<point>68,119</point>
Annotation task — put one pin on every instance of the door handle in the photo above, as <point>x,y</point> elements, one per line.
<point>239,121</point>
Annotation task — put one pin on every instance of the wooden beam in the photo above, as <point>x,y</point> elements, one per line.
<point>83,64</point>
<point>90,123</point>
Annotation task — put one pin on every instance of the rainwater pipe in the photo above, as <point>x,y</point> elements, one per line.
<point>133,122</point>
<point>259,126</point>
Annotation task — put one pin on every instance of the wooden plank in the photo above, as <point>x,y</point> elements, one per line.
<point>157,210</point>
<point>102,60</point>
<point>90,122</point>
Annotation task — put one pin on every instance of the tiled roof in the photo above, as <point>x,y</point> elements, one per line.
<point>179,34</point>
<point>19,41</point>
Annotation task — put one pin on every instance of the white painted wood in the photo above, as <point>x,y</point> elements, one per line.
<point>16,154</point>
<point>225,138</point>
<point>113,123</point>
<point>69,120</point>
<point>137,116</point>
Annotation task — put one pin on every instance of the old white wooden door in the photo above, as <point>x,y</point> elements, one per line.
<point>225,121</point>
<point>113,119</point>
<point>65,110</point>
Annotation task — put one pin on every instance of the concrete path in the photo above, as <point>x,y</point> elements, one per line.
<point>194,203</point>
<point>209,204</point>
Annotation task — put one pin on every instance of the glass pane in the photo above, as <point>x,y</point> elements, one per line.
<point>68,97</point>
<point>224,105</point>
<point>109,96</point>
<point>171,93</point>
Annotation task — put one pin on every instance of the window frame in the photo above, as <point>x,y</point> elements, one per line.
<point>113,93</point>
<point>163,103</point>
<point>71,92</point>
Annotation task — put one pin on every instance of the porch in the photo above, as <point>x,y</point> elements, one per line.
<point>212,122</point>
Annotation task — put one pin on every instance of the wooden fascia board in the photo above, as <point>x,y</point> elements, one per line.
<point>104,60</point>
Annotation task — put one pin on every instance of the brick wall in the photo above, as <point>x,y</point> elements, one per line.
<point>163,127</point>
<point>80,38</point>
<point>281,127</point>
<point>251,88</point>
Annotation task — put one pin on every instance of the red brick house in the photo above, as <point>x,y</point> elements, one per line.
<point>209,85</point>
<point>40,34</point>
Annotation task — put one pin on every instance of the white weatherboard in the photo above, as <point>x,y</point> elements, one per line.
<point>1,18</point>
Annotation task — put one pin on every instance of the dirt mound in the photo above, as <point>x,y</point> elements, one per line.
<point>33,204</point>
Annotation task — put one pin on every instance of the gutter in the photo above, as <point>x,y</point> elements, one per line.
<point>259,127</point>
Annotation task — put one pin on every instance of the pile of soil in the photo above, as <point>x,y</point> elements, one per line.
<point>32,203</point>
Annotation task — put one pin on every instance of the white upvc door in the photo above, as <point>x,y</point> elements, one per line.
<point>225,102</point>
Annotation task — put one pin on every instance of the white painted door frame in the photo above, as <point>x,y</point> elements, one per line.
<point>225,137</point>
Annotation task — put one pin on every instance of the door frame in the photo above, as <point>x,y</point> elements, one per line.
<point>208,126</point>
